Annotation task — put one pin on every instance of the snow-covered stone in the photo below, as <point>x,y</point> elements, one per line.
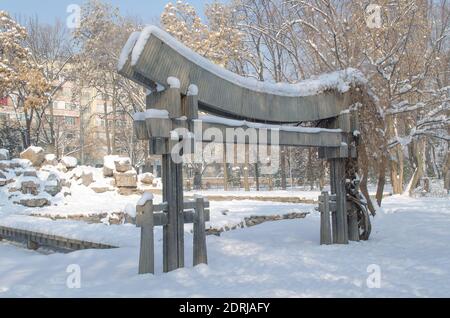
<point>53,185</point>
<point>61,167</point>
<point>87,178</point>
<point>4,154</point>
<point>3,179</point>
<point>34,202</point>
<point>123,165</point>
<point>30,186</point>
<point>35,155</point>
<point>51,160</point>
<point>69,162</point>
<point>147,178</point>
<point>30,173</point>
<point>126,179</point>
<point>109,165</point>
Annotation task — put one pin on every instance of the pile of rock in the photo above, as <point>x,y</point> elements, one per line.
<point>33,179</point>
<point>125,176</point>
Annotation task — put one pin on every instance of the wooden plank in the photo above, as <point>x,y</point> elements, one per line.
<point>337,166</point>
<point>324,138</point>
<point>146,254</point>
<point>191,205</point>
<point>325,226</point>
<point>189,216</point>
<point>200,252</point>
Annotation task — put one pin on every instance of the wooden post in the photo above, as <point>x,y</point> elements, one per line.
<point>337,167</point>
<point>170,231</point>
<point>178,168</point>
<point>325,227</point>
<point>333,214</point>
<point>200,252</point>
<point>145,221</point>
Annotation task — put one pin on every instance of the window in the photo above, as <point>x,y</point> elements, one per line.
<point>70,106</point>
<point>59,105</point>
<point>70,121</point>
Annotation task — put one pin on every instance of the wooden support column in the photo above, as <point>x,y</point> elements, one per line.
<point>173,232</point>
<point>180,212</point>
<point>340,225</point>
<point>333,214</point>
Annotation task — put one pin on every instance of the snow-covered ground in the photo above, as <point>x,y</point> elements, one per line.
<point>409,245</point>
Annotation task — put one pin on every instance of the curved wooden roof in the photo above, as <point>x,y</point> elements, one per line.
<point>152,56</point>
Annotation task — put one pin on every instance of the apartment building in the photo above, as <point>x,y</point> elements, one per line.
<point>75,115</point>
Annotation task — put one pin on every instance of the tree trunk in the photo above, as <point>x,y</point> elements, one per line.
<point>81,134</point>
<point>113,128</point>
<point>420,168</point>
<point>105,111</point>
<point>364,164</point>
<point>381,180</point>
<point>283,168</point>
<point>52,129</point>
<point>246,168</point>
<point>397,166</point>
<point>28,123</point>
<point>225,168</point>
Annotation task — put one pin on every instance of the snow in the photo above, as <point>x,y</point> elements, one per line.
<point>340,81</point>
<point>125,54</point>
<point>50,157</point>
<point>276,259</point>
<point>69,162</point>
<point>192,90</point>
<point>211,119</point>
<point>147,196</point>
<point>139,116</point>
<point>36,149</point>
<point>4,154</point>
<point>156,113</point>
<point>173,82</point>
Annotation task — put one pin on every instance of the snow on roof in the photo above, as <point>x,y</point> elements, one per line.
<point>340,81</point>
<point>127,49</point>
<point>156,113</point>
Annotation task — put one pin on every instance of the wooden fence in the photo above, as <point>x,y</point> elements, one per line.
<point>149,215</point>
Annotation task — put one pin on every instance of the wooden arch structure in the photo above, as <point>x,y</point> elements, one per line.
<point>181,83</point>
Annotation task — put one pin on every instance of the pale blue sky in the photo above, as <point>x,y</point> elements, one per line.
<point>49,10</point>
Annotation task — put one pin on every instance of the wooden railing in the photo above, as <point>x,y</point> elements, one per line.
<point>149,215</point>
